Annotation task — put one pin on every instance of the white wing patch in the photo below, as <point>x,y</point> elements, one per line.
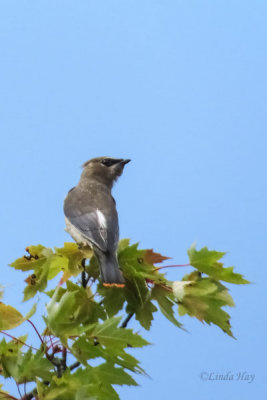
<point>102,224</point>
<point>101,219</point>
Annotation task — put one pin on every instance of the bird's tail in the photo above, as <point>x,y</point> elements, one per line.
<point>109,269</point>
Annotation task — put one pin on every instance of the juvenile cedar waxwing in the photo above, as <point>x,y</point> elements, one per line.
<point>91,216</point>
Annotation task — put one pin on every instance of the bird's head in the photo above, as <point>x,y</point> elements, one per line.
<point>104,169</point>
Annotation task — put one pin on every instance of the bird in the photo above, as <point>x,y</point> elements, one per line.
<point>91,216</point>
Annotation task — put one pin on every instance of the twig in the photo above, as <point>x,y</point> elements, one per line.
<point>74,365</point>
<point>19,390</point>
<point>56,362</point>
<point>51,342</point>
<point>127,319</point>
<point>64,359</point>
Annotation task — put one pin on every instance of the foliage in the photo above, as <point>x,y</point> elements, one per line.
<point>86,321</point>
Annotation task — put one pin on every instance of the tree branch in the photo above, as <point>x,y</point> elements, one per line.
<point>30,395</point>
<point>127,319</point>
<point>85,279</point>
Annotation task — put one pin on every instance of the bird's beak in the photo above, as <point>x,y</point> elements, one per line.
<point>119,166</point>
<point>126,161</point>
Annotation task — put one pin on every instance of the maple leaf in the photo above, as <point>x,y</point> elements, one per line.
<point>204,298</point>
<point>83,318</point>
<point>47,264</point>
<point>207,261</point>
<point>9,317</point>
<point>166,303</point>
<point>70,309</point>
<point>108,334</point>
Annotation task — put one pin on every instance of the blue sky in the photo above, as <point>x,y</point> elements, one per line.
<point>180,88</point>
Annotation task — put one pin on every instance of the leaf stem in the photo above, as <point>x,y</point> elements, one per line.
<point>34,327</point>
<point>17,340</point>
<point>172,266</point>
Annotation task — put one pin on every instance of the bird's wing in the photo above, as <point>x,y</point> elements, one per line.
<point>95,217</point>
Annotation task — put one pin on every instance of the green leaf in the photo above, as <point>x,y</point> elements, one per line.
<point>9,352</point>
<point>93,269</point>
<point>113,299</point>
<point>137,263</point>
<point>83,349</point>
<point>64,388</point>
<point>145,314</point>
<point>75,307</point>
<point>124,359</point>
<point>204,298</point>
<point>123,244</point>
<point>138,296</point>
<point>33,261</point>
<point>37,282</point>
<point>112,375</point>
<point>9,317</point>
<point>46,264</point>
<point>206,261</point>
<point>138,269</point>
<point>12,347</point>
<point>96,391</point>
<point>60,315</point>
<point>84,384</point>
<point>74,256</point>
<point>108,334</point>
<point>165,304</point>
<point>30,366</point>
<point>23,366</point>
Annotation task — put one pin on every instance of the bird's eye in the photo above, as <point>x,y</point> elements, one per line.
<point>107,162</point>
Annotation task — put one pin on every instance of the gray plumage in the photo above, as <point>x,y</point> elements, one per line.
<point>91,215</point>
